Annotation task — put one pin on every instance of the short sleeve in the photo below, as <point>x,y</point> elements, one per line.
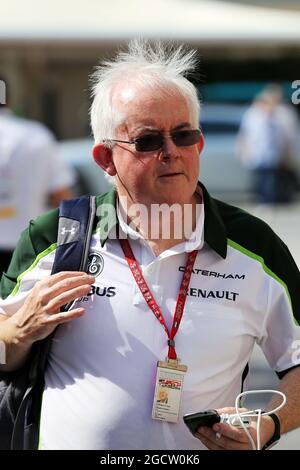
<point>280,336</point>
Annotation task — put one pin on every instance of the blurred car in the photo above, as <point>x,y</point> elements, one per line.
<point>220,171</point>
<point>90,178</point>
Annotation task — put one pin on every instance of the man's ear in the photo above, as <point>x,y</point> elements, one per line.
<point>200,143</point>
<point>103,157</point>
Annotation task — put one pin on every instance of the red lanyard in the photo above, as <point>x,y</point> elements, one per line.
<point>181,298</point>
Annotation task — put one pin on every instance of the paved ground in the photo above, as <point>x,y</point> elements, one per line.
<point>285,220</point>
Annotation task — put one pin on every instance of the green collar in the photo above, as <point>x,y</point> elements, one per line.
<point>106,214</point>
<point>215,233</point>
<point>214,228</point>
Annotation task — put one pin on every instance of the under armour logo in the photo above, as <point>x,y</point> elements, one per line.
<point>71,231</point>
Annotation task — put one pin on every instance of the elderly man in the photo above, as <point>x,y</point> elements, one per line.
<point>204,291</point>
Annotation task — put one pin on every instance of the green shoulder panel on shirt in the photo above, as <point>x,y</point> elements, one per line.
<point>34,242</point>
<point>40,237</point>
<point>253,237</point>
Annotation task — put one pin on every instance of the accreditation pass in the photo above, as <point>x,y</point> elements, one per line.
<point>168,390</point>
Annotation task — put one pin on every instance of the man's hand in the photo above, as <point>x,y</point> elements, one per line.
<point>223,436</point>
<point>40,313</point>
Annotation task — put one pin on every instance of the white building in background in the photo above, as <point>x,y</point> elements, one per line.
<point>47,49</point>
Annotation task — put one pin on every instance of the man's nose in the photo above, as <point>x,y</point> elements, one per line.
<point>169,149</point>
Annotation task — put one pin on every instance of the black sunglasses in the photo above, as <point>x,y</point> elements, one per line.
<point>154,141</point>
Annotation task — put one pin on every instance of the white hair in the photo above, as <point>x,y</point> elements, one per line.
<point>156,66</point>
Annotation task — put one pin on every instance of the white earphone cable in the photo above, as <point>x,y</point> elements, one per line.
<point>254,413</point>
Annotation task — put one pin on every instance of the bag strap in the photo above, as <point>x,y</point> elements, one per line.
<point>76,218</point>
<point>75,226</point>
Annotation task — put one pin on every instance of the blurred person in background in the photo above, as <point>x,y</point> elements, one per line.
<point>267,146</point>
<point>32,177</point>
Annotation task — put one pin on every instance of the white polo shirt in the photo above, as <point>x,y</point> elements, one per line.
<point>100,377</point>
<point>30,170</point>
<point>119,327</point>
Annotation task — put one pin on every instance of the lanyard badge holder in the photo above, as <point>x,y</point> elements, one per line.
<point>168,390</point>
<point>170,373</point>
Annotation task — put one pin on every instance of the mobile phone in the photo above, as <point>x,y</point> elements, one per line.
<point>201,418</point>
<point>211,417</point>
